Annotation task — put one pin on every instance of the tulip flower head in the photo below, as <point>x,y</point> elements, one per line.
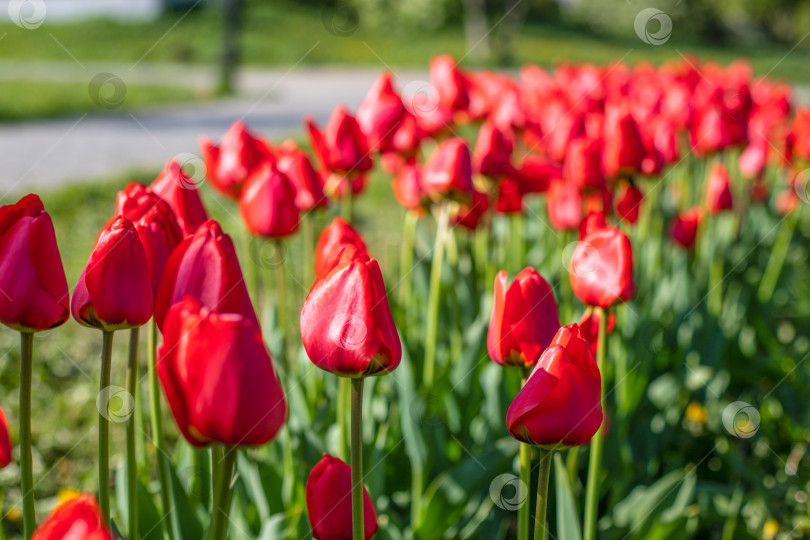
<point>296,165</point>
<point>602,268</point>
<point>380,113</point>
<point>334,237</point>
<point>448,171</point>
<point>718,190</point>
<point>341,147</point>
<point>684,227</point>
<point>34,293</point>
<point>524,319</point>
<point>629,203</point>
<point>561,403</point>
<point>346,322</point>
<point>589,326</point>
<point>78,518</point>
<point>231,162</point>
<point>267,203</point>
<point>329,503</point>
<point>181,192</point>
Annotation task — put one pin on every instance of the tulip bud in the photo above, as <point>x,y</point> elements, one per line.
<point>267,203</point>
<point>346,322</point>
<point>342,147</point>
<point>594,221</point>
<point>182,195</point>
<point>5,441</point>
<point>718,190</point>
<point>205,266</point>
<point>564,205</point>
<point>493,152</point>
<point>78,518</point>
<point>448,171</point>
<point>449,82</point>
<point>332,240</point>
<point>561,403</point>
<point>379,114</point>
<point>329,502</point>
<point>509,199</point>
<point>218,377</point>
<point>295,164</point>
<point>115,288</point>
<point>407,187</point>
<point>754,158</point>
<point>583,163</point>
<point>624,149</point>
<point>238,155</point>
<point>629,203</point>
<point>536,172</point>
<point>589,326</point>
<point>524,319</point>
<point>602,268</point>
<point>35,293</point>
<point>684,227</point>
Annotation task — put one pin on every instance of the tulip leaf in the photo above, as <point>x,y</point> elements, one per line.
<point>567,517</point>
<point>645,505</point>
<point>409,405</point>
<point>250,477</point>
<point>185,520</point>
<point>149,520</point>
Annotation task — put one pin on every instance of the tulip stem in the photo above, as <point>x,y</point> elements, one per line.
<point>777,259</point>
<point>358,528</point>
<point>343,399</point>
<point>104,429</point>
<point>26,460</point>
<point>433,297</point>
<point>281,302</point>
<point>516,244</point>
<point>132,465</point>
<point>346,201</point>
<point>222,494</point>
<point>406,259</point>
<point>595,459</point>
<point>308,236</point>
<point>543,477</point>
<point>157,427</point>
<point>525,477</point>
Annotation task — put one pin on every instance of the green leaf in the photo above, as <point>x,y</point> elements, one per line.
<point>567,517</point>
<point>149,521</point>
<point>184,515</point>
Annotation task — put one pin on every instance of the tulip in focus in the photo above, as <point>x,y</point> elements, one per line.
<point>76,519</point>
<point>267,203</point>
<point>333,239</point>
<point>231,162</point>
<point>182,194</point>
<point>341,147</point>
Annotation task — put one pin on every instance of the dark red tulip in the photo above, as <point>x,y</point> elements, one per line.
<point>718,190</point>
<point>509,199</point>
<point>35,293</point>
<point>448,171</point>
<point>342,148</point>
<point>536,172</point>
<point>602,268</point>
<point>561,403</point>
<point>5,441</point>
<point>115,288</point>
<point>156,225</point>
<point>219,378</point>
<point>380,113</point>
<point>296,165</point>
<point>589,326</point>
<point>205,266</point>
<point>449,82</point>
<point>76,519</point>
<point>346,323</point>
<point>180,193</point>
<point>470,215</point>
<point>267,203</point>
<point>524,319</point>
<point>407,187</point>
<point>334,237</point>
<point>238,155</point>
<point>564,205</point>
<point>583,163</point>
<point>493,152</point>
<point>629,203</point>
<point>684,227</point>
<point>624,148</point>
<point>329,502</point>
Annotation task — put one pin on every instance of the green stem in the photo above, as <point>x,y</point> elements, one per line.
<point>433,298</point>
<point>543,477</point>
<point>308,237</point>
<point>777,259</point>
<point>26,459</point>
<point>132,465</point>
<point>343,400</point>
<point>525,477</point>
<point>346,201</point>
<point>406,257</point>
<point>516,242</point>
<point>595,459</point>
<point>157,428</point>
<point>222,495</point>
<point>417,486</point>
<point>281,302</point>
<point>571,464</point>
<point>358,529</point>
<point>200,484</point>
<point>104,429</point>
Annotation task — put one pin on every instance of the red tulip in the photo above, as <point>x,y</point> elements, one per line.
<point>493,152</point>
<point>219,378</point>
<point>380,113</point>
<point>583,163</point>
<point>334,237</point>
<point>754,158</point>
<point>564,205</point>
<point>5,441</point>
<point>346,323</point>
<point>329,502</point>
<point>35,293</point>
<point>267,203</point>
<point>629,203</point>
<point>602,268</point>
<point>407,186</point>
<point>238,155</point>
<point>718,190</point>
<point>624,149</point>
<point>684,227</point>
<point>76,519</point>
<point>448,171</point>
<point>296,165</point>
<point>408,135</point>
<point>709,133</point>
<point>589,326</point>
<point>180,192</point>
<point>801,133</point>
<point>156,226</point>
<point>536,172</point>
<point>469,215</point>
<point>561,403</point>
<point>449,82</point>
<point>115,288</point>
<point>510,196</point>
<point>342,147</point>
<point>594,221</point>
<point>205,266</point>
<point>524,319</point>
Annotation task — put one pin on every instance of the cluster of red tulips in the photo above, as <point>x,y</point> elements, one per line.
<point>594,142</point>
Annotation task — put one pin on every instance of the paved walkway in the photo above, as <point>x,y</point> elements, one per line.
<point>42,154</point>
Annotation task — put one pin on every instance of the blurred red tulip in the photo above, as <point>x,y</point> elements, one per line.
<point>342,147</point>
<point>583,163</point>
<point>346,322</point>
<point>329,502</point>
<point>684,227</point>
<point>205,266</point>
<point>76,519</point>
<point>449,82</point>
<point>219,378</point>
<point>754,158</point>
<point>5,441</point>
<point>407,187</point>
<point>493,152</point>
<point>629,203</point>
<point>33,284</point>
<point>469,215</point>
<point>602,268</point>
<point>267,203</point>
<point>589,326</point>
<point>536,173</point>
<point>801,133</point>
<point>561,403</point>
<point>238,155</point>
<point>296,165</point>
<point>718,190</point>
<point>380,113</point>
<point>334,237</point>
<point>564,205</point>
<point>180,192</point>
<point>709,133</point>
<point>114,290</point>
<point>594,221</point>
<point>448,171</point>
<point>524,319</point>
<point>624,149</point>
<point>510,196</point>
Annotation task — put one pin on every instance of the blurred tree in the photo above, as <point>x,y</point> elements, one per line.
<point>232,22</point>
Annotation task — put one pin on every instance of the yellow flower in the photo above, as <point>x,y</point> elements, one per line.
<point>696,413</point>
<point>770,529</point>
<point>14,514</point>
<point>67,494</point>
